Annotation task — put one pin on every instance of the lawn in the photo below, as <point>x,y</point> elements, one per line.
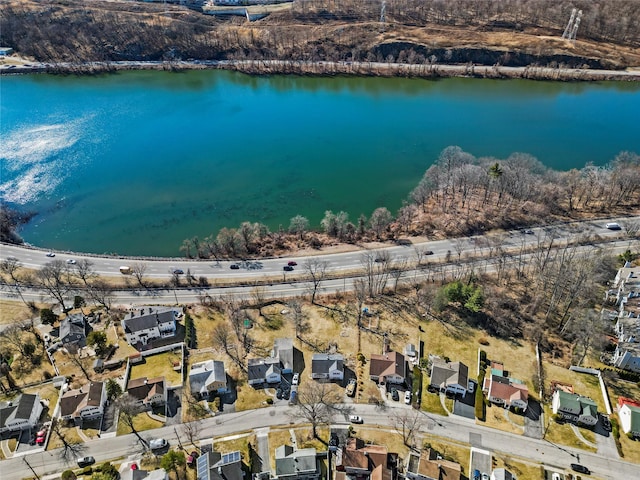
<point>449,450</point>
<point>239,442</point>
<point>630,448</point>
<point>562,434</point>
<point>583,383</point>
<point>49,395</point>
<point>14,311</point>
<point>277,437</point>
<point>160,365</point>
<point>141,422</point>
<point>496,419</point>
<point>305,439</point>
<point>379,436</point>
<point>522,471</point>
<point>431,402</point>
<point>70,435</point>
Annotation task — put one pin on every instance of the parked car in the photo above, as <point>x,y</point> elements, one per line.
<point>234,266</point>
<point>287,268</point>
<point>613,226</point>
<point>606,423</point>
<point>278,393</point>
<point>476,475</point>
<point>40,440</point>
<point>71,261</point>
<point>407,397</point>
<point>555,476</point>
<point>576,467</point>
<point>292,263</point>
<point>350,390</point>
<point>295,379</point>
<point>355,419</point>
<point>51,254</point>
<point>395,395</point>
<point>485,476</point>
<point>191,459</point>
<point>85,461</point>
<point>157,443</point>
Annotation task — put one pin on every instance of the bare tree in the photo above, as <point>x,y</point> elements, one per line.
<point>71,448</point>
<point>318,403</point>
<point>101,293</point>
<point>138,270</point>
<point>84,270</point>
<point>11,267</point>
<point>54,279</point>
<point>299,318</point>
<point>407,423</point>
<point>191,430</point>
<point>316,269</point>
<point>129,408</point>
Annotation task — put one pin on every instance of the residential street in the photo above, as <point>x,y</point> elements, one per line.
<point>454,428</point>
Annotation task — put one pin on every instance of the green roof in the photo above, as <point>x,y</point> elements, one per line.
<point>635,418</point>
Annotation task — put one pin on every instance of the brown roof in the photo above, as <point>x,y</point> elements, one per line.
<point>143,388</point>
<point>75,400</point>
<point>430,466</point>
<point>508,392</point>
<point>372,458</point>
<point>387,364</point>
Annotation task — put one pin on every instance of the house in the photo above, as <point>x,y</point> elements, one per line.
<point>150,323</point>
<point>627,355</point>
<point>355,460</point>
<point>21,413</point>
<point>575,408</point>
<point>389,367</point>
<point>502,474</point>
<point>506,392</point>
<point>629,414</point>
<point>294,464</point>
<point>327,366</point>
<point>264,370</point>
<point>283,350</point>
<point>207,377</point>
<point>139,474</point>
<point>85,403</point>
<point>218,466</point>
<point>427,466</point>
<point>149,392</point>
<point>73,330</point>
<point>449,377</point>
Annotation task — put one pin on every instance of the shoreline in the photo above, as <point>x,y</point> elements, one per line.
<point>328,69</point>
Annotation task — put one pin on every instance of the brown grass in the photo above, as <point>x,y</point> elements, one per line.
<point>159,365</point>
<point>522,471</point>
<point>14,311</point>
<point>240,444</point>
<point>630,448</point>
<point>495,419</point>
<point>562,434</point>
<point>583,383</point>
<point>382,436</point>
<point>141,422</point>
<point>459,452</point>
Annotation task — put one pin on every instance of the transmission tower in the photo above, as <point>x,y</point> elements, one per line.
<point>572,27</point>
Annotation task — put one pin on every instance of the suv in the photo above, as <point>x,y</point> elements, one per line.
<point>85,461</point>
<point>576,467</point>
<point>351,387</point>
<point>157,443</point>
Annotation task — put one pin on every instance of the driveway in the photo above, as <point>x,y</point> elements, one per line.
<point>533,420</point>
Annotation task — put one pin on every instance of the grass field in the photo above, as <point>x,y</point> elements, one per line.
<point>522,471</point>
<point>583,383</point>
<point>141,422</point>
<point>159,365</point>
<point>239,442</point>
<point>496,419</point>
<point>630,448</point>
<point>457,452</point>
<point>562,434</point>
<point>15,311</point>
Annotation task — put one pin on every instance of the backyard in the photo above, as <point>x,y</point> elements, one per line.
<point>160,365</point>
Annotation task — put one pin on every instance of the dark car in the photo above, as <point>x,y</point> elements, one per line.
<point>576,467</point>
<point>379,260</point>
<point>428,252</point>
<point>287,268</point>
<point>292,263</point>
<point>234,266</point>
<point>86,461</point>
<point>606,423</point>
<point>278,393</point>
<point>178,271</point>
<point>395,395</point>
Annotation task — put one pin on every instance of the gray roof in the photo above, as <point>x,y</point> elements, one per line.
<point>324,362</point>
<point>72,325</point>
<point>258,368</point>
<point>283,349</point>
<point>216,466</point>
<point>146,319</point>
<point>205,373</point>
<point>445,374</point>
<point>290,461</point>
<point>20,408</point>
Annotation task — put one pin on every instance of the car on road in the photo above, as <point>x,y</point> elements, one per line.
<point>485,476</point>
<point>528,231</point>
<point>379,259</point>
<point>158,443</point>
<point>355,419</point>
<point>576,467</point>
<point>428,252</point>
<point>295,379</point>
<point>613,226</point>
<point>288,268</point>
<point>395,395</point>
<point>407,397</point>
<point>51,254</point>
<point>71,261</point>
<point>234,266</point>
<point>350,390</point>
<point>85,461</point>
<point>178,271</point>
<point>292,263</point>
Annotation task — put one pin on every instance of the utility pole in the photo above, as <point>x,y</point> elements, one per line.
<point>31,468</point>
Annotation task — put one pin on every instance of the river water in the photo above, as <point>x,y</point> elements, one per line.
<point>135,162</point>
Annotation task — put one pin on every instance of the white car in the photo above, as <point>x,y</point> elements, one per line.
<point>295,379</point>
<point>157,443</point>
<point>407,397</point>
<point>71,261</point>
<point>355,419</point>
<point>613,226</point>
<point>51,254</point>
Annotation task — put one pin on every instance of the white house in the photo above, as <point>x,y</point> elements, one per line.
<point>326,366</point>
<point>20,414</point>
<point>85,403</point>
<point>207,377</point>
<point>630,419</point>
<point>149,323</point>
